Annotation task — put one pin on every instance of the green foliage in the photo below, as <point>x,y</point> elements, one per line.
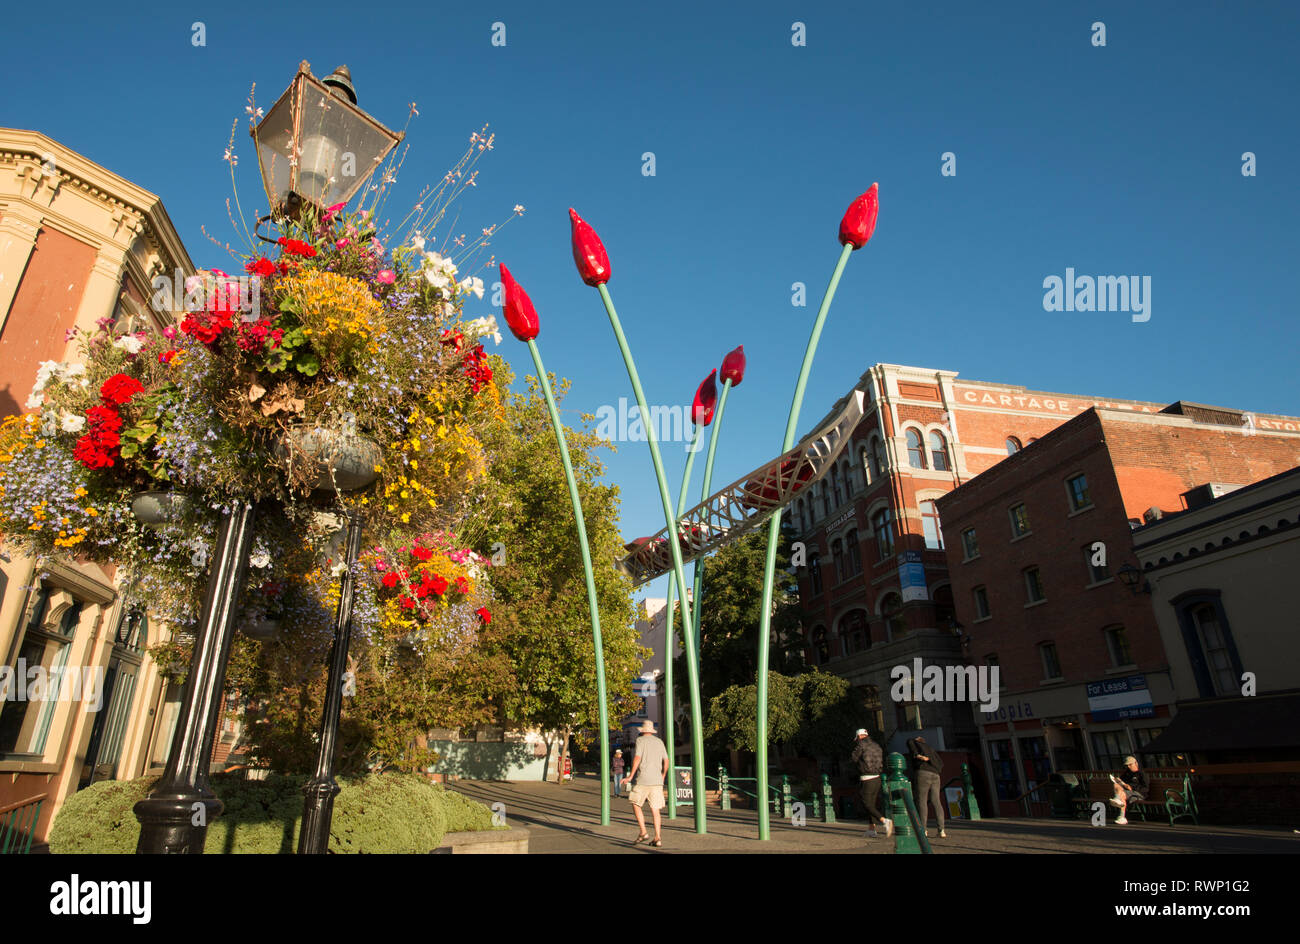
<point>814,712</point>
<point>542,587</point>
<point>388,813</point>
<point>732,595</point>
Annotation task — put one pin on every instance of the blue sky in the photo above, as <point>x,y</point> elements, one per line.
<point>1116,160</point>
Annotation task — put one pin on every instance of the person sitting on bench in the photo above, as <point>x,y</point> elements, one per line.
<point>1131,786</point>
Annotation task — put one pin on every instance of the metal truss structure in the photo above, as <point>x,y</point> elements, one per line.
<point>748,502</point>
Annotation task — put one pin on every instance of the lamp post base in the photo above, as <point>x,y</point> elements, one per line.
<point>175,823</point>
<point>317,814</point>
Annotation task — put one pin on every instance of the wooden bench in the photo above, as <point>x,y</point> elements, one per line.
<point>1171,795</point>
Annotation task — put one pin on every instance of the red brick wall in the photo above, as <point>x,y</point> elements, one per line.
<point>44,308</point>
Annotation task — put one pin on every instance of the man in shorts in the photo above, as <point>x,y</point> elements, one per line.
<point>649,768</point>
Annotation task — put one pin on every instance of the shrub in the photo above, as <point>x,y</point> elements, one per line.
<point>384,813</point>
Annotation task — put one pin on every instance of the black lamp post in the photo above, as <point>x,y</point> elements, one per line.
<point>174,817</point>
<point>1130,576</point>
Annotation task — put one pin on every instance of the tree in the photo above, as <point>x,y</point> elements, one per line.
<point>528,519</point>
<point>814,712</point>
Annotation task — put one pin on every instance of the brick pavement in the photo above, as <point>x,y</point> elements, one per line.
<point>565,819</point>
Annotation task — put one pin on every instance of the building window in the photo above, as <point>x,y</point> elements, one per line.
<point>891,609</point>
<point>868,473</point>
<point>970,547</point>
<point>1005,779</point>
<point>854,555</point>
<point>803,515</point>
<point>1117,643</point>
<point>944,613</point>
<point>1051,664</point>
<point>981,602</point>
<point>835,485</point>
<point>1034,585</point>
<point>1019,521</point>
<point>821,651</point>
<point>915,450</point>
<point>1144,737</point>
<point>938,452</point>
<point>1110,748</point>
<point>854,631</point>
<point>1096,572</point>
<point>815,572</point>
<point>877,457</point>
<point>930,525</point>
<point>1215,649</point>
<point>881,525</point>
<point>850,482</point>
<point>1013,445</point>
<point>1077,488</point>
<point>837,555</point>
<point>46,643</point>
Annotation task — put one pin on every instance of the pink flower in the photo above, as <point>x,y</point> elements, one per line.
<point>342,243</point>
<point>169,332</point>
<point>386,277</point>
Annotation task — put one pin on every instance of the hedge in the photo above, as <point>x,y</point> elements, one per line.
<point>383,813</point>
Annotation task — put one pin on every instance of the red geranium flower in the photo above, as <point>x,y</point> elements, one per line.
<point>119,389</point>
<point>263,267</point>
<point>296,247</point>
<point>421,553</point>
<point>390,579</point>
<point>407,602</point>
<point>166,357</point>
<point>484,615</point>
<point>462,585</point>
<point>103,419</point>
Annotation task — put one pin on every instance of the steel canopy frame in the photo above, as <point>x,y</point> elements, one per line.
<point>748,502</point>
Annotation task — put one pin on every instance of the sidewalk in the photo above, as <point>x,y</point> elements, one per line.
<point>564,818</point>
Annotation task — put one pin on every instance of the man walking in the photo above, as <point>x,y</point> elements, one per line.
<point>869,760</point>
<point>928,767</point>
<point>649,768</point>
<point>618,769</point>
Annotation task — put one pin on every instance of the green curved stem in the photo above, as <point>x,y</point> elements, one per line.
<point>773,534</point>
<point>596,641</point>
<point>670,625</point>
<point>692,669</point>
<point>704,494</point>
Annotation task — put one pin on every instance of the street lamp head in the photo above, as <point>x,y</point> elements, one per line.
<point>316,146</point>
<point>1130,576</point>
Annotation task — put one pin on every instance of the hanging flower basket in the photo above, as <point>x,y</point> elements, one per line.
<point>155,507</point>
<point>335,458</point>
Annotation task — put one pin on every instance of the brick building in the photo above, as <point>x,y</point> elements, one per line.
<point>876,590</point>
<point>1034,546</point>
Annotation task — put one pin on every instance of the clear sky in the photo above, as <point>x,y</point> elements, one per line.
<point>1123,159</point>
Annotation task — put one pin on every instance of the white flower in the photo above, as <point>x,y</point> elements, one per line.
<point>519,209</point>
<point>129,343</point>
<point>73,370</point>
<point>259,560</point>
<point>472,284</point>
<point>35,401</point>
<point>483,327</point>
<point>71,423</point>
<point>434,261</point>
<point>436,278</point>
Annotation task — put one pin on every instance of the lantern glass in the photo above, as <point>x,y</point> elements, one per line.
<point>317,146</point>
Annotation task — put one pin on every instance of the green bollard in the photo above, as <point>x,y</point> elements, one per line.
<point>972,804</point>
<point>897,788</point>
<point>828,799</point>
<point>786,799</point>
<point>725,786</point>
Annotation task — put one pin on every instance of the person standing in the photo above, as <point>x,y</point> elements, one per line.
<point>869,759</point>
<point>649,768</point>
<point>618,769</point>
<point>928,768</point>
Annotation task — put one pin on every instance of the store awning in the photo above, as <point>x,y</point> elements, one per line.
<point>1259,721</point>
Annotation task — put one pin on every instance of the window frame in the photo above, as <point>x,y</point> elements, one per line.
<point>939,457</point>
<point>1043,649</point>
<point>1011,514</point>
<point>966,545</point>
<point>1070,493</point>
<point>915,454</point>
<point>1030,599</point>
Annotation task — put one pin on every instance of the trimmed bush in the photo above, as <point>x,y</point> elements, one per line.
<point>384,813</point>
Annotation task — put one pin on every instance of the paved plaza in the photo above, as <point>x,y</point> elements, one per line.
<point>565,819</point>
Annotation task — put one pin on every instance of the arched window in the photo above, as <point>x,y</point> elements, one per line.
<point>837,555</point>
<point>835,485</point>
<point>815,573</point>
<point>854,557</point>
<point>930,525</point>
<point>850,483</point>
<point>821,651</point>
<point>864,459</point>
<point>938,452</point>
<point>915,450</point>
<point>884,532</point>
<point>1013,445</point>
<point>891,610</point>
<point>877,458</point>
<point>854,631</point>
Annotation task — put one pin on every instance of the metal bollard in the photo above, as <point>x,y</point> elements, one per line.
<point>972,805</point>
<point>828,799</point>
<point>725,787</point>
<point>786,799</point>
<point>898,788</point>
